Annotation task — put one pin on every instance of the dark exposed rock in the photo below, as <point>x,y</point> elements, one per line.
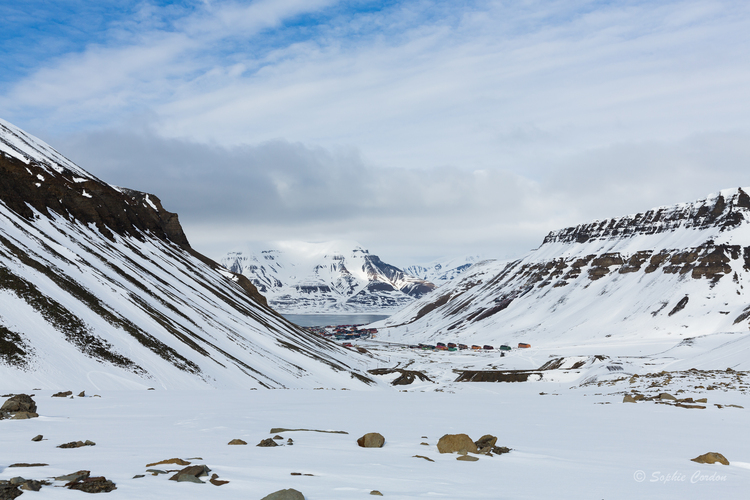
<point>680,305</point>
<point>9,491</point>
<point>19,406</point>
<point>75,476</point>
<point>28,465</point>
<point>376,493</point>
<point>177,461</point>
<point>486,443</point>
<point>711,458</point>
<point>267,443</point>
<point>466,458</point>
<point>371,440</point>
<point>237,442</point>
<point>290,494</point>
<point>38,437</point>
<point>216,481</point>
<point>77,444</point>
<point>406,378</point>
<point>63,394</point>
<point>497,375</point>
<point>451,443</point>
<point>99,484</point>
<point>191,474</point>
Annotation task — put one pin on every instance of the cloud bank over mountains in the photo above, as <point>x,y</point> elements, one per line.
<point>419,129</point>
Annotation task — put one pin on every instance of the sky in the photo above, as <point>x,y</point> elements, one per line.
<point>420,129</point>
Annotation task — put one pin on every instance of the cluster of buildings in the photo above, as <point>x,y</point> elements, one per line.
<point>344,332</point>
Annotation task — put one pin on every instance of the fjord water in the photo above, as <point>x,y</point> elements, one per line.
<point>333,319</point>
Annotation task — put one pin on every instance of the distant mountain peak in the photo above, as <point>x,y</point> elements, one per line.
<point>337,276</point>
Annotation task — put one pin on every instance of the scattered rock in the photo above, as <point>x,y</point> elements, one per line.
<point>266,443</point>
<point>75,476</point>
<point>376,493</point>
<point>82,394</point>
<point>467,458</point>
<point>77,444</point>
<point>702,400</point>
<point>138,476</point>
<point>711,458</point>
<point>424,444</point>
<point>628,399</point>
<point>683,405</point>
<point>9,491</point>
<point>191,474</point>
<point>499,450</point>
<point>486,443</point>
<point>277,430</point>
<point>237,441</point>
<point>289,442</point>
<point>28,465</point>
<point>62,394</point>
<point>23,415</point>
<point>98,484</point>
<point>665,396</point>
<point>277,437</point>
<point>177,461</point>
<point>371,440</point>
<point>451,443</point>
<point>19,406</point>
<point>31,485</point>
<point>426,458</point>
<point>216,481</point>
<point>38,437</point>
<point>156,472</point>
<point>290,494</point>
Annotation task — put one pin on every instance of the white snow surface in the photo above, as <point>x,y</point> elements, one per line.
<point>440,271</point>
<point>570,435</point>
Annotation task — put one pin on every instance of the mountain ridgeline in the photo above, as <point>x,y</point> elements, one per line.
<point>99,287</point>
<point>339,277</point>
<point>676,271</point>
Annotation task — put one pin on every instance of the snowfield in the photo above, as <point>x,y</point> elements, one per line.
<point>570,434</point>
<point>563,446</point>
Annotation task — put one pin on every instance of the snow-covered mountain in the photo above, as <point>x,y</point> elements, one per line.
<point>442,270</point>
<point>671,272</point>
<point>99,286</point>
<point>338,276</point>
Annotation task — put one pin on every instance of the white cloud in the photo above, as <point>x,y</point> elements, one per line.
<point>424,128</point>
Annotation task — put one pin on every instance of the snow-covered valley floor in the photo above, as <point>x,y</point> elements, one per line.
<point>576,440</point>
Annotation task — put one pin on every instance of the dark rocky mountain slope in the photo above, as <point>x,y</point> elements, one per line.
<point>99,288</point>
<point>671,272</point>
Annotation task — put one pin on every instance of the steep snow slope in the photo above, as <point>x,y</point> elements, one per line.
<point>98,285</point>
<point>337,276</point>
<point>442,270</point>
<point>669,273</point>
